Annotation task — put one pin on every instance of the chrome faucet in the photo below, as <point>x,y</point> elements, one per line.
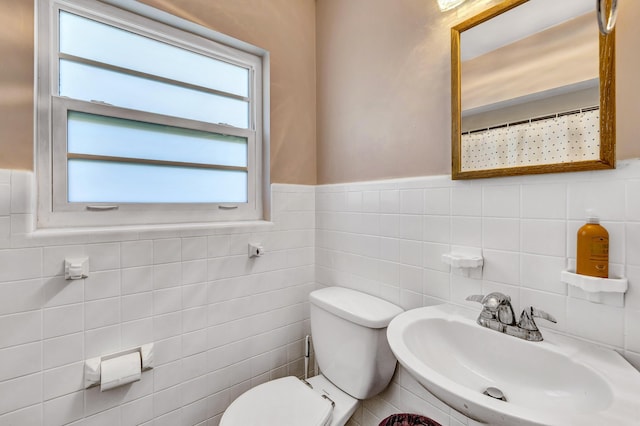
<point>497,314</point>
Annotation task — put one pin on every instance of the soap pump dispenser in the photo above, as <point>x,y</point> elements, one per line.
<point>592,257</point>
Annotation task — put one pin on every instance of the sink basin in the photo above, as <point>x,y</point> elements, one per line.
<point>559,381</point>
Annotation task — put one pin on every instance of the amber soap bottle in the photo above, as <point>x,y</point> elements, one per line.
<point>592,257</point>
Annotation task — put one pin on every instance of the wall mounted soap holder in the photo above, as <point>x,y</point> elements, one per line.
<point>609,291</point>
<point>457,260</point>
<point>467,261</point>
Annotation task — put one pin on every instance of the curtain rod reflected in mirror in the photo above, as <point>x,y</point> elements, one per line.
<point>532,91</point>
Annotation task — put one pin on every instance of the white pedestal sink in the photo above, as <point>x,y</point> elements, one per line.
<point>559,381</point>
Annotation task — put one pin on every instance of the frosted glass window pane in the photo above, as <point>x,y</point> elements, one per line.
<point>85,82</point>
<point>100,42</point>
<point>111,182</point>
<point>116,137</point>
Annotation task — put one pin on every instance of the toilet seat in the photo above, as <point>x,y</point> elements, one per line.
<point>285,401</point>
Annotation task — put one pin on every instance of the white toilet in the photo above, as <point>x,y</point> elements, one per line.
<point>349,335</point>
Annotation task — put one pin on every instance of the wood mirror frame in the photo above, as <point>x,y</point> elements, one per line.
<point>607,106</point>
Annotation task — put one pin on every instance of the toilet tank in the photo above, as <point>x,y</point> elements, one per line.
<point>350,341</point>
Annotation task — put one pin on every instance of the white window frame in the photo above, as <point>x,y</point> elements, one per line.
<point>53,210</point>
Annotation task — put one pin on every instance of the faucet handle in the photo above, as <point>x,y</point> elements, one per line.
<point>528,313</point>
<point>490,301</point>
<point>475,298</point>
<point>538,313</point>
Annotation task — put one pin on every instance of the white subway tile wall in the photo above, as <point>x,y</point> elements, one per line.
<point>221,322</point>
<point>526,227</point>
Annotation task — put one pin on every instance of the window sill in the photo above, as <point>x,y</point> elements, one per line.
<point>86,235</point>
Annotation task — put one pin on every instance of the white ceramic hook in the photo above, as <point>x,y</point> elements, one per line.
<point>606,25</point>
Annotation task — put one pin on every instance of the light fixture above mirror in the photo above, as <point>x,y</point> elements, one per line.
<point>445,5</point>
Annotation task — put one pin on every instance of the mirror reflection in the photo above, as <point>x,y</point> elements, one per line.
<point>529,93</point>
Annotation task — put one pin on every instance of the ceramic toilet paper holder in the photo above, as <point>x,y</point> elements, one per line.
<point>92,366</point>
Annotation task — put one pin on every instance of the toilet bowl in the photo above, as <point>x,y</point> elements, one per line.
<point>291,401</point>
<point>349,335</point>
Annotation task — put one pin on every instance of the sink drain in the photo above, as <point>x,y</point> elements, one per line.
<point>494,393</point>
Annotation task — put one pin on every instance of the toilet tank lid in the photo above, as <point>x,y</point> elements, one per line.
<point>360,308</point>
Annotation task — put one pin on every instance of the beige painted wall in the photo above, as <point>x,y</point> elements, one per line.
<point>627,82</point>
<point>383,103</point>
<point>284,27</point>
<point>384,87</point>
<point>16,84</point>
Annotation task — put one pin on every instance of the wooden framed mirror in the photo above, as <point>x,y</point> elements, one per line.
<point>533,90</point>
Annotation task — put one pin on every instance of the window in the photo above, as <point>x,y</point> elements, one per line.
<point>143,122</point>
